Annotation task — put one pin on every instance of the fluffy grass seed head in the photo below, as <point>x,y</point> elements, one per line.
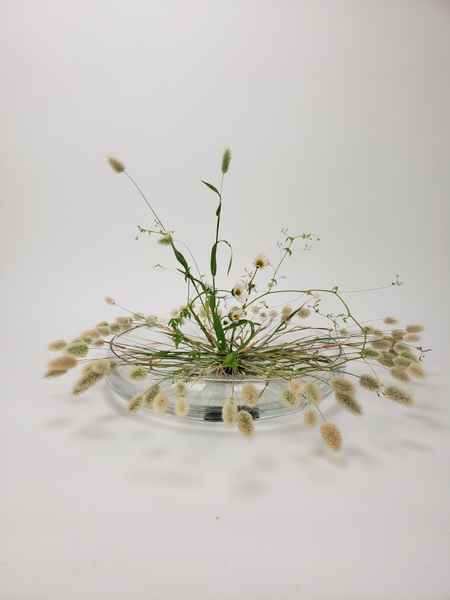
<point>368,329</point>
<point>110,300</point>
<point>245,424</point>
<point>180,389</point>
<point>286,311</point>
<point>398,334</point>
<point>255,309</point>
<point>332,436</point>
<point>116,164</point>
<point>51,373</point>
<point>417,371</point>
<point>400,346</point>
<point>63,363</point>
<point>115,328</point>
<point>150,394</point>
<point>139,373</point>
<point>226,159</point>
<point>349,403</point>
<point>304,312</point>
<point>313,392</point>
<point>103,366</point>
<point>369,353</point>
<point>400,374</point>
<point>412,337</point>
<point>134,404</point>
<point>250,395</point>
<point>398,395</point>
<point>57,345</point>
<point>290,399</point>
<point>340,384</point>
<point>272,313</point>
<point>380,344</point>
<point>78,349</point>
<point>93,334</point>
<point>369,382</point>
<point>103,330</point>
<point>122,321</point>
<point>181,407</point>
<point>410,355</point>
<point>160,403</point>
<point>386,359</point>
<point>310,418</point>
<point>296,386</point>
<point>165,239</point>
<point>402,362</point>
<point>390,321</point>
<point>414,328</point>
<point>87,380</point>
<point>229,412</point>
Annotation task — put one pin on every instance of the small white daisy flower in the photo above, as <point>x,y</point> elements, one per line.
<point>240,292</point>
<point>261,261</point>
<point>236,314</point>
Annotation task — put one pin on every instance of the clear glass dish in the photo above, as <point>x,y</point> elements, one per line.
<point>207,395</point>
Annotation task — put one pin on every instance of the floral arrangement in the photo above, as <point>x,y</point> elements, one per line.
<point>238,335</point>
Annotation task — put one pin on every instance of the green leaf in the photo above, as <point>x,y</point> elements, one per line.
<point>180,258</point>
<point>231,256</point>
<point>214,259</point>
<point>222,342</point>
<point>230,362</point>
<point>211,187</point>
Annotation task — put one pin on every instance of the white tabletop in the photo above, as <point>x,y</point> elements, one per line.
<point>338,116</point>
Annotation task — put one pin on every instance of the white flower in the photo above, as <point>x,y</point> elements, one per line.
<point>261,261</point>
<point>240,291</point>
<point>236,314</point>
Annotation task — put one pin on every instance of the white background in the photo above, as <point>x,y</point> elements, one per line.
<point>338,115</point>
